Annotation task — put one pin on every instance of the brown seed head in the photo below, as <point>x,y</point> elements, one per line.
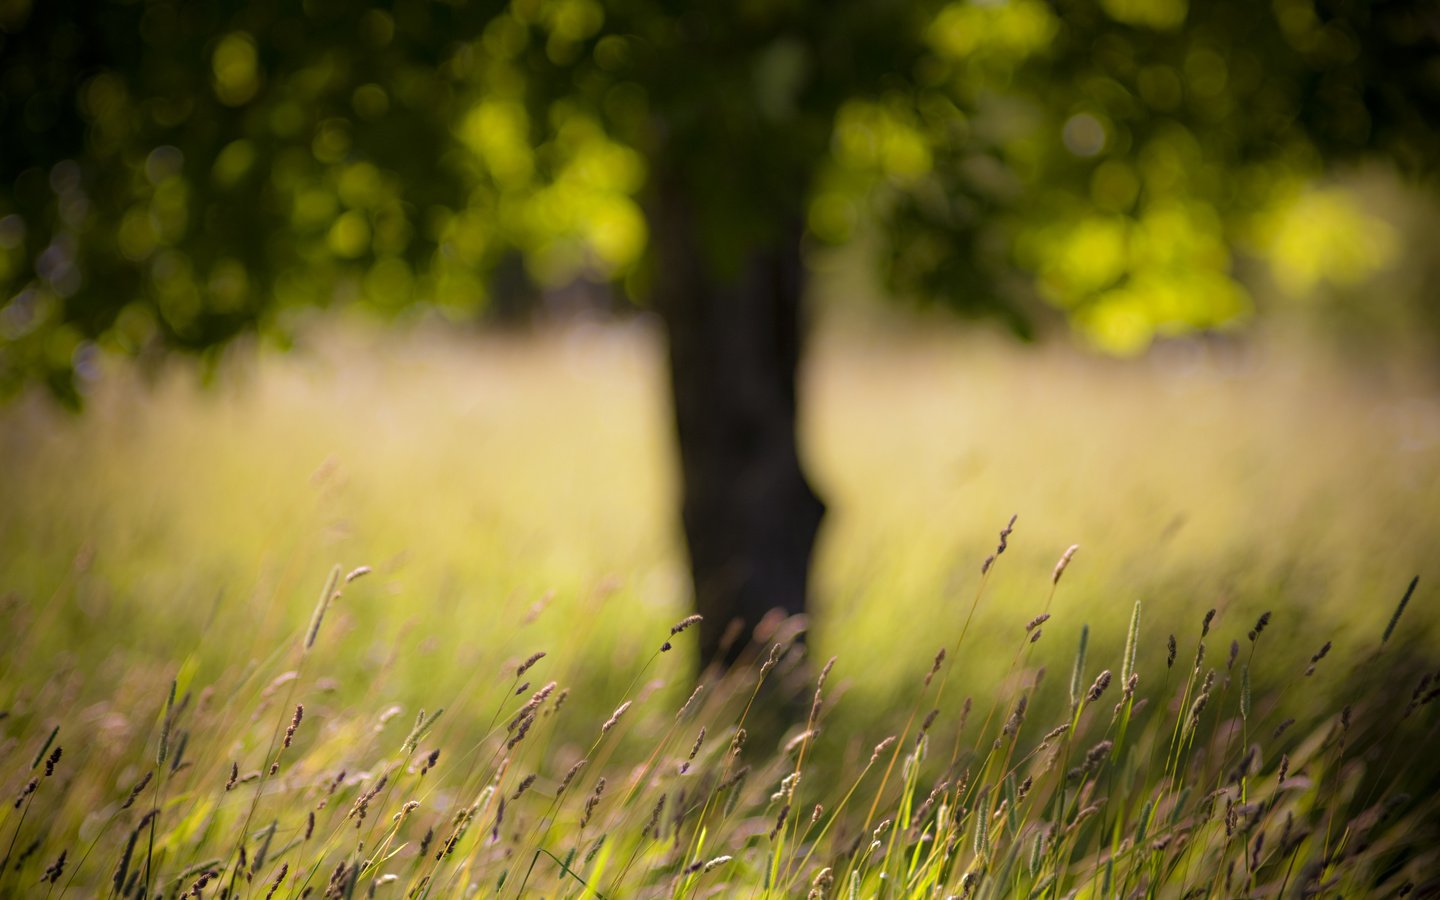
<point>523,787</point>
<point>570,776</point>
<point>279,878</point>
<point>780,821</point>
<point>688,703</point>
<point>520,731</point>
<point>592,802</point>
<point>1260,625</point>
<point>1017,717</point>
<point>294,724</point>
<point>935,666</point>
<point>56,869</point>
<point>929,720</point>
<point>737,743</point>
<point>135,791</point>
<point>825,673</point>
<point>1102,681</point>
<point>685,623</point>
<point>652,824</point>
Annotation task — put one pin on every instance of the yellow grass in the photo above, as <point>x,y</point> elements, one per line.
<point>478,473</point>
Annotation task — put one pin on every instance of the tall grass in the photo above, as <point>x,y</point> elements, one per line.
<point>399,732</point>
<point>1181,779</point>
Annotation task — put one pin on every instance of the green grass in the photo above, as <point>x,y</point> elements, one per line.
<point>516,496</point>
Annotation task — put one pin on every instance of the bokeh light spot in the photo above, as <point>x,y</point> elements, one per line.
<point>235,64</point>
<point>1084,135</point>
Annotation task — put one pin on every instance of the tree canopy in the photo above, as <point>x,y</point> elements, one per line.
<point>174,174</point>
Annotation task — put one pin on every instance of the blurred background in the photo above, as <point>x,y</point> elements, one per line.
<point>431,286</point>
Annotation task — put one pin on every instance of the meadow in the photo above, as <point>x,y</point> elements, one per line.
<point>384,616</point>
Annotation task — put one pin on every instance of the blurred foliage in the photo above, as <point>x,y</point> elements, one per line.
<point>176,174</point>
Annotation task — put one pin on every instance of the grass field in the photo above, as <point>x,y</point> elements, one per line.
<point>161,558</point>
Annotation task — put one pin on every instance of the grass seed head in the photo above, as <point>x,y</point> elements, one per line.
<point>737,743</point>
<point>716,863</point>
<point>652,825</point>
<point>592,802</point>
<point>694,749</point>
<point>1259,625</point>
<point>685,623</point>
<point>1001,547</point>
<point>27,791</point>
<point>520,731</point>
<point>56,869</point>
<point>570,776</point>
<point>1017,717</point>
<point>825,672</point>
<point>1054,733</point>
<point>935,666</point>
<point>1102,681</point>
<point>780,821</point>
<point>595,847</point>
<point>679,627</point>
<point>798,741</point>
<point>1132,637</point>
<point>1245,692</point>
<point>531,660</point>
<point>294,724</point>
<point>1063,564</point>
<point>328,595</point>
<point>1077,674</point>
<point>614,717</point>
<point>929,720</point>
<point>1395,618</point>
<point>279,879</point>
<point>39,756</point>
<point>523,787</point>
<point>686,706</point>
<point>1096,754</point>
<point>357,572</point>
<point>140,786</point>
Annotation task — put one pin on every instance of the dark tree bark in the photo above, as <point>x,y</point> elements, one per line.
<point>750,516</point>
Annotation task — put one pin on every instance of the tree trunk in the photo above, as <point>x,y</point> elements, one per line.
<point>750,517</point>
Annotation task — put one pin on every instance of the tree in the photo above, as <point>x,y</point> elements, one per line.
<point>177,174</point>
